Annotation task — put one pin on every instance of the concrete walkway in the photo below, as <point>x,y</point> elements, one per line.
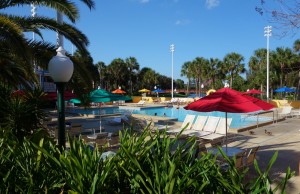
<point>283,137</point>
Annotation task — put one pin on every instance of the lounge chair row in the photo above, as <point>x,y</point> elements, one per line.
<point>205,127</point>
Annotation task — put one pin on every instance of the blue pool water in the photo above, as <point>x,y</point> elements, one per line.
<point>238,120</point>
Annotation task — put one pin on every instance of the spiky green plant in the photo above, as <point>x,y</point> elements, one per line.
<point>145,163</point>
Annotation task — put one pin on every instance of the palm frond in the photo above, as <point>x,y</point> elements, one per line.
<point>64,6</point>
<point>68,31</point>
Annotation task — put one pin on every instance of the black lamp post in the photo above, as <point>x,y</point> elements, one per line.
<point>61,69</point>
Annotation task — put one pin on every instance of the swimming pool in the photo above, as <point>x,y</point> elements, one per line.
<point>238,120</point>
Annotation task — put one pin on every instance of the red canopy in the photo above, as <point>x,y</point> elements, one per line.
<point>118,91</point>
<point>262,104</point>
<point>253,91</point>
<point>224,100</point>
<point>67,95</point>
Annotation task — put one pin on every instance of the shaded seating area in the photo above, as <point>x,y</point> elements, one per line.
<point>209,127</point>
<point>197,126</point>
<point>220,132</point>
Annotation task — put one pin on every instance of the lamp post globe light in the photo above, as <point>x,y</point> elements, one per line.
<point>268,33</point>
<point>172,49</point>
<point>61,69</point>
<point>202,86</point>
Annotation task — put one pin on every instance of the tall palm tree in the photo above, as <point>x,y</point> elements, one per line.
<point>232,65</point>
<point>149,78</point>
<point>133,67</point>
<point>118,72</point>
<point>186,71</point>
<point>296,45</point>
<point>213,70</point>
<point>198,66</point>
<point>101,70</point>
<point>257,67</point>
<point>284,58</point>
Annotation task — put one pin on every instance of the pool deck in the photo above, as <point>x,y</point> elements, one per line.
<point>285,139</point>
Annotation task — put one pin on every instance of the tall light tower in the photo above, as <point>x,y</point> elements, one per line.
<point>268,33</point>
<point>172,49</point>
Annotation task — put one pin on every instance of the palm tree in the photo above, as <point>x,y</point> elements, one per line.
<point>284,58</point>
<point>133,67</point>
<point>149,78</point>
<point>186,71</point>
<point>198,66</point>
<point>118,72</point>
<point>13,41</point>
<point>213,70</point>
<point>232,65</point>
<point>257,67</point>
<point>101,69</point>
<point>296,45</point>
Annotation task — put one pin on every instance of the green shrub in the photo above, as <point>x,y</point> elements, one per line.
<point>145,163</point>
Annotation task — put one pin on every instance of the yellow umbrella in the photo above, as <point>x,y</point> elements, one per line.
<point>144,90</point>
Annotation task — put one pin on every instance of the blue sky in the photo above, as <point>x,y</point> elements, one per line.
<point>144,29</point>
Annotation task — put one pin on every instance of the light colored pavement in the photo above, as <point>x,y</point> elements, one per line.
<point>285,139</point>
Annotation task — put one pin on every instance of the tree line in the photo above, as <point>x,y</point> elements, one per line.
<point>205,74</point>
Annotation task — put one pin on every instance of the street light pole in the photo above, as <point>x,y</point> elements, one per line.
<point>61,69</point>
<point>268,33</point>
<point>172,49</point>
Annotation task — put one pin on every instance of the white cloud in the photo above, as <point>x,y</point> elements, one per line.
<point>182,22</point>
<point>212,3</point>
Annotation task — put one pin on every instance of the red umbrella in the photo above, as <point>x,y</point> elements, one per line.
<point>224,100</point>
<point>67,95</point>
<point>262,104</point>
<point>118,91</point>
<point>253,91</point>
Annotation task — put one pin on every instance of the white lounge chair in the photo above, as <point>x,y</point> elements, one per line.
<point>220,129</point>
<point>285,112</point>
<point>209,127</point>
<point>197,126</point>
<point>140,103</point>
<point>295,112</point>
<point>186,124</point>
